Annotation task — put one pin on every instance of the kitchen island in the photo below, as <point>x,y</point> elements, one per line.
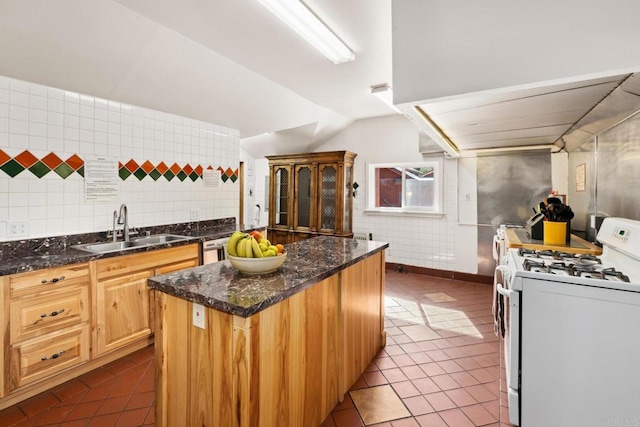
<point>276,349</point>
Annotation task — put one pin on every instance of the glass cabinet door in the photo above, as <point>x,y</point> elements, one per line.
<point>303,191</point>
<point>282,202</point>
<point>346,224</point>
<point>328,196</point>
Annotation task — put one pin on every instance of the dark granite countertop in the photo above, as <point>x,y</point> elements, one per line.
<point>222,287</point>
<point>50,252</point>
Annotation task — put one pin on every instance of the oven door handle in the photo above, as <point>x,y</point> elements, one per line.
<point>214,245</point>
<point>504,291</point>
<point>496,243</point>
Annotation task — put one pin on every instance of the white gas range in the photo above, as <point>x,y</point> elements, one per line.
<point>571,327</point>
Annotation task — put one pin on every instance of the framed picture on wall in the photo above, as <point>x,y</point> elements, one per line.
<point>581,177</point>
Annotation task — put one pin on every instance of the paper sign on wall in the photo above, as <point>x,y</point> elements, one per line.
<point>212,178</point>
<point>100,179</point>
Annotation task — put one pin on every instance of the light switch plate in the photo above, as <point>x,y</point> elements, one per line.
<point>198,316</point>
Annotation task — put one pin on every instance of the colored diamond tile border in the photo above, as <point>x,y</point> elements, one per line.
<point>26,160</point>
<point>4,157</point>
<point>11,168</point>
<point>39,169</point>
<point>52,161</point>
<point>162,168</point>
<point>75,162</point>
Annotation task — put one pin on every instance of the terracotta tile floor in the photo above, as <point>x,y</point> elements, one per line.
<point>441,361</point>
<point>118,394</point>
<point>441,358</point>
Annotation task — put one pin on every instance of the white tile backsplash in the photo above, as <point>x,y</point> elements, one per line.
<point>44,119</point>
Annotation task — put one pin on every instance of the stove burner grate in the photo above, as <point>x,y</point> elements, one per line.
<point>588,258</point>
<point>537,266</point>
<point>611,271</point>
<point>593,274</point>
<point>529,253</point>
<point>591,271</point>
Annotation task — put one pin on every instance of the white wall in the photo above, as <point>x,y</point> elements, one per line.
<point>255,172</point>
<point>445,48</point>
<point>560,173</point>
<point>432,242</point>
<point>262,175</point>
<point>46,120</point>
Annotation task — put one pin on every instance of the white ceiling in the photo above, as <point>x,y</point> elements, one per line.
<point>518,118</point>
<point>227,62</point>
<point>232,63</point>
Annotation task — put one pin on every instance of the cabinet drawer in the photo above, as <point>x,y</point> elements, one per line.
<point>38,281</point>
<point>48,355</point>
<point>118,266</point>
<point>176,267</point>
<point>48,311</point>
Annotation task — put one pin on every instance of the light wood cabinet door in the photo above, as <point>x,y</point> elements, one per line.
<point>123,300</point>
<point>122,311</point>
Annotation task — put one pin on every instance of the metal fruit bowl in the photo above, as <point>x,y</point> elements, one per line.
<point>257,265</point>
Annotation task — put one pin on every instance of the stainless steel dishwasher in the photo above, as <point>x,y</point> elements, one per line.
<point>214,250</point>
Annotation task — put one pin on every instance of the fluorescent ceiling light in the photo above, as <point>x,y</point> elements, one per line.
<point>304,22</point>
<point>384,93</point>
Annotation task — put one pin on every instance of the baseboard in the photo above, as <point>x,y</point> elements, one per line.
<point>446,274</point>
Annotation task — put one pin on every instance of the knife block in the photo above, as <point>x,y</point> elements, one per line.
<point>535,226</point>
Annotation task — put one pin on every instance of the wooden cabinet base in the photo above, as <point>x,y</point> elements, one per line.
<point>59,323</point>
<point>20,394</point>
<point>288,365</point>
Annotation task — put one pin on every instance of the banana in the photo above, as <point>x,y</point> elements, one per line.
<point>257,253</point>
<point>248,249</point>
<point>232,247</point>
<point>241,248</point>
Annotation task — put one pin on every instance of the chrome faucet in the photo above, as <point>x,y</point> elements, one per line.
<point>123,218</point>
<point>113,232</point>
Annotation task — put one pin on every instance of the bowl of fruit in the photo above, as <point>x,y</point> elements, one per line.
<point>251,253</point>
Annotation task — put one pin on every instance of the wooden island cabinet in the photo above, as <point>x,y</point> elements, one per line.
<point>310,194</point>
<point>278,349</point>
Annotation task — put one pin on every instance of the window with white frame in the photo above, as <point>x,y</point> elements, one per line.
<point>407,187</point>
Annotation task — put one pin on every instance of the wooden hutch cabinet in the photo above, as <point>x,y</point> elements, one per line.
<point>310,194</point>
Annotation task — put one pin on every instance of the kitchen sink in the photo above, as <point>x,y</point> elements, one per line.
<point>157,239</point>
<point>106,247</point>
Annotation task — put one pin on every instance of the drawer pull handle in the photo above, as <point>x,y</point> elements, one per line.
<point>54,280</point>
<point>53,313</point>
<point>53,356</point>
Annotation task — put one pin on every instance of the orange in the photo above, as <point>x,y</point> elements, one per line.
<point>280,248</point>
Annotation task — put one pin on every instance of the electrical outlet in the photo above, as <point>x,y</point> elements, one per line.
<point>18,228</point>
<point>195,213</point>
<point>198,316</point>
